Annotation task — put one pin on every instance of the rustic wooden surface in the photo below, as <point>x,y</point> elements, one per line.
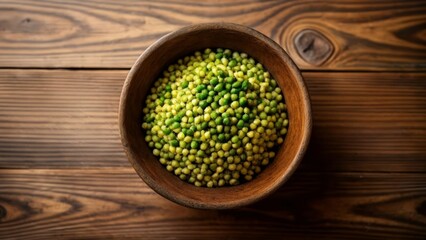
<point>63,173</point>
<point>382,35</point>
<point>112,202</point>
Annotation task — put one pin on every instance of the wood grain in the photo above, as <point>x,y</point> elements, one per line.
<point>63,174</point>
<point>68,119</point>
<point>114,203</point>
<point>368,121</point>
<point>60,118</point>
<point>366,35</point>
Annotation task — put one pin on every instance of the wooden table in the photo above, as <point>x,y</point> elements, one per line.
<point>63,174</point>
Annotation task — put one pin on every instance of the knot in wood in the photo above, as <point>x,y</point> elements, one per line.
<point>3,212</point>
<point>313,47</point>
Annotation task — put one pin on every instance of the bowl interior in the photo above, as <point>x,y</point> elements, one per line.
<point>181,43</point>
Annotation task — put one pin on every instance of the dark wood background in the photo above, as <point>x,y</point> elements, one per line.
<point>63,174</point>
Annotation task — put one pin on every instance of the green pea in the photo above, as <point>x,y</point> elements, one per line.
<point>246,117</point>
<point>226,121</point>
<point>167,131</point>
<point>177,119</point>
<point>203,104</point>
<point>218,87</point>
<point>229,80</point>
<point>204,125</point>
<point>214,105</point>
<point>235,90</point>
<point>221,137</point>
<point>200,88</point>
<point>203,95</point>
<point>234,97</point>
<point>174,143</point>
<point>194,145</point>
<point>226,146</point>
<point>218,120</point>
<point>243,102</point>
<point>169,121</point>
<point>236,85</point>
<point>235,104</point>
<point>214,81</point>
<point>240,124</point>
<point>184,84</point>
<point>213,130</point>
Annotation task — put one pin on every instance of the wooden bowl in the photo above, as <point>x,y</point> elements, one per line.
<point>181,43</point>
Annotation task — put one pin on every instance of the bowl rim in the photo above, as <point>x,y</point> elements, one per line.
<point>292,68</point>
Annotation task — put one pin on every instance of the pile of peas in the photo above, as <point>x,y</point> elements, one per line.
<point>215,118</point>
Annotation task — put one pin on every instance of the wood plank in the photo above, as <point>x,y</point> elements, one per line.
<point>60,118</point>
<point>365,35</point>
<point>66,119</point>
<point>115,203</point>
<point>367,122</point>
